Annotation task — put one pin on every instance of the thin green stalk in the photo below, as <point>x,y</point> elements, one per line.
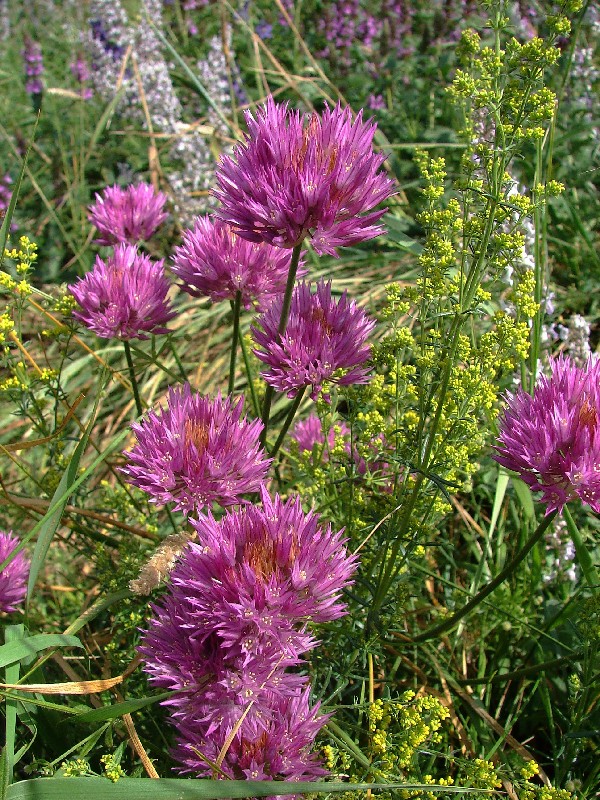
<point>180,366</point>
<point>249,377</point>
<point>285,311</point>
<point>289,288</point>
<point>132,378</point>
<point>509,569</point>
<point>539,259</point>
<point>235,308</point>
<point>288,421</point>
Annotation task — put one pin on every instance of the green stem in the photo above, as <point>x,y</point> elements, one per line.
<point>178,361</point>
<point>285,311</point>
<point>509,569</point>
<point>249,376</point>
<point>132,378</point>
<point>235,307</point>
<point>288,421</point>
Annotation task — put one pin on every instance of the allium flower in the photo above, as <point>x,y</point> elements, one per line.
<point>553,438</point>
<point>211,687</point>
<point>273,743</point>
<point>197,451</point>
<point>259,574</point>
<point>325,340</point>
<point>13,578</point>
<point>129,215</point>
<point>214,261</point>
<point>124,297</point>
<point>299,175</point>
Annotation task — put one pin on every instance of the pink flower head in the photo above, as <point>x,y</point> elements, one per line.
<point>553,438</point>
<point>197,451</point>
<point>273,743</point>
<point>13,578</point>
<point>124,297</point>
<point>214,261</point>
<point>129,215</point>
<point>183,654</point>
<point>259,575</point>
<point>299,175</point>
<point>325,340</point>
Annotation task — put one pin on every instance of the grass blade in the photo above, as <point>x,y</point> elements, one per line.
<point>17,649</point>
<point>190,789</point>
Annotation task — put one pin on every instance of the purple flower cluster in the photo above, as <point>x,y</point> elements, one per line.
<point>34,66</point>
<point>13,578</point>
<point>129,215</point>
<point>241,599</point>
<point>552,440</point>
<point>325,340</point>
<point>124,297</point>
<point>197,452</point>
<point>215,262</point>
<point>300,175</point>
<point>234,619</point>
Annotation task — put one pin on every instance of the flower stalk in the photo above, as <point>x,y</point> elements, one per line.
<point>235,308</point>
<point>133,379</point>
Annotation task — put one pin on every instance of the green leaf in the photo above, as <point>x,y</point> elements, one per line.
<point>16,650</point>
<point>395,233</point>
<point>50,522</point>
<point>118,709</point>
<point>524,494</point>
<point>582,552</point>
<point>190,789</point>
<point>11,675</point>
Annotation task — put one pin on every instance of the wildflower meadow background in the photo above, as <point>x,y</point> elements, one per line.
<point>299,399</point>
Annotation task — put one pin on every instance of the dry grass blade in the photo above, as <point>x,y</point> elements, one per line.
<point>139,747</point>
<point>69,687</point>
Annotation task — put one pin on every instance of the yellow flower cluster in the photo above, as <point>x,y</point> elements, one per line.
<point>75,768</point>
<point>112,769</point>
<point>399,728</point>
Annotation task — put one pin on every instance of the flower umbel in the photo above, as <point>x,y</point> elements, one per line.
<point>553,438</point>
<point>325,340</point>
<point>124,297</point>
<point>197,451</point>
<point>258,574</point>
<point>300,175</point>
<point>129,215</point>
<point>13,578</point>
<point>214,261</point>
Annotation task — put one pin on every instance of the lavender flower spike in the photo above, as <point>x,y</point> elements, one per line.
<point>304,175</point>
<point>553,438</point>
<point>34,66</point>
<point>129,215</point>
<point>13,578</point>
<point>214,261</point>
<point>124,297</point>
<point>325,340</point>
<point>197,452</point>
